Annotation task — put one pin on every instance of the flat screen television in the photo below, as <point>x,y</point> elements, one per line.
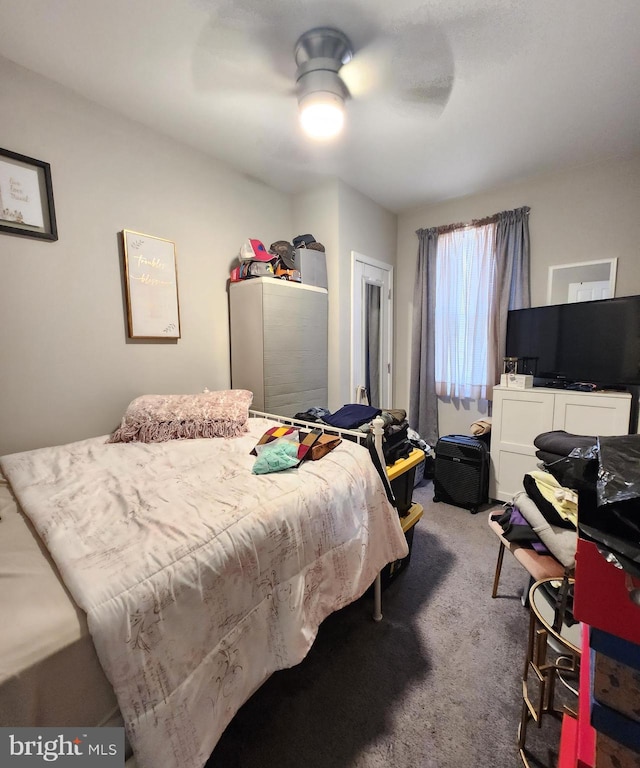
<point>595,342</point>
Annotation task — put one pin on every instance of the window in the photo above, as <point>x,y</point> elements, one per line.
<point>465,295</point>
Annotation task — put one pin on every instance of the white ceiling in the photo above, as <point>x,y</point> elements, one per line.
<point>458,95</point>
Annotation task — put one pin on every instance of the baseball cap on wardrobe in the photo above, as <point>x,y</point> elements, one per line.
<point>254,250</point>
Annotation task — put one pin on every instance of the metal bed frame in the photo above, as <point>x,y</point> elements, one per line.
<point>348,434</point>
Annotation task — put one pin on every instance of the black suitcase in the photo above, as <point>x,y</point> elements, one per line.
<point>461,473</point>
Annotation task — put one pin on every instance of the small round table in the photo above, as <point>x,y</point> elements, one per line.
<point>547,629</point>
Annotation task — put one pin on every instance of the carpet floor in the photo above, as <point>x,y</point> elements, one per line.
<point>436,684</point>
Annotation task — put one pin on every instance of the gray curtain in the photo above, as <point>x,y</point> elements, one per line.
<point>423,403</point>
<point>512,275</point>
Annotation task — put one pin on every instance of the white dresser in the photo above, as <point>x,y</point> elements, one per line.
<point>519,415</point>
<point>279,344</point>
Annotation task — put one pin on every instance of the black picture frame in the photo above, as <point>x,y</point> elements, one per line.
<point>33,192</point>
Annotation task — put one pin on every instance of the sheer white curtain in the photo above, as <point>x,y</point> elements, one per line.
<point>465,299</point>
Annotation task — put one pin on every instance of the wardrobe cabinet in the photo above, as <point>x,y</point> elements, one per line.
<point>519,415</point>
<point>279,344</point>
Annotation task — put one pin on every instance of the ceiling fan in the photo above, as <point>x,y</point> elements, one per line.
<point>320,54</point>
<point>328,74</point>
<point>380,66</point>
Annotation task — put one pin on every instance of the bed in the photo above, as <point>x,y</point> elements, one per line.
<point>184,577</point>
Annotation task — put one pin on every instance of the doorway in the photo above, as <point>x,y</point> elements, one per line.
<point>371,330</point>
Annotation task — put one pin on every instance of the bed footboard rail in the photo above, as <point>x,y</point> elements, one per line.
<point>355,435</point>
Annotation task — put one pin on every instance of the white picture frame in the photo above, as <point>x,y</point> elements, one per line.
<point>564,278</point>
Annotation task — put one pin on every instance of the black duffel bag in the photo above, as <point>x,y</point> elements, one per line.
<point>395,442</point>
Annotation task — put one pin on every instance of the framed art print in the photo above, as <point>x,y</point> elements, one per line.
<point>26,197</point>
<point>151,277</point>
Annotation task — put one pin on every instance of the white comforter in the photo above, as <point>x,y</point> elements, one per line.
<point>198,578</point>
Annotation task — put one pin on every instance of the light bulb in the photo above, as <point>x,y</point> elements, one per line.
<point>322,115</point>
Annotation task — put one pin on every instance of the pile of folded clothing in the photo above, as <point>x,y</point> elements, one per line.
<point>545,515</point>
<point>558,444</point>
<point>395,444</point>
<point>602,475</point>
<point>605,473</point>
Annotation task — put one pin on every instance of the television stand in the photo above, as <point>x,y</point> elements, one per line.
<point>520,415</point>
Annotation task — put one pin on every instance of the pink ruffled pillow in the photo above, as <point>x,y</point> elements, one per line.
<point>157,418</point>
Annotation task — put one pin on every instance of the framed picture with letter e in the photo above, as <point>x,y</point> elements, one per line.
<point>151,278</point>
<point>26,197</point>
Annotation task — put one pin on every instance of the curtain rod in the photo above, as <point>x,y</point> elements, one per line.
<point>463,225</point>
<point>478,222</point>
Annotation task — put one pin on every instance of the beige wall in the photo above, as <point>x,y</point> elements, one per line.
<point>67,368</point>
<point>577,215</point>
<point>344,220</point>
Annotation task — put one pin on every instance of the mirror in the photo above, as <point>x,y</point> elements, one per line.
<point>373,337</point>
<point>582,281</point>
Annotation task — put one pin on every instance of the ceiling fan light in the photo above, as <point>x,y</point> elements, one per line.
<point>322,115</point>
